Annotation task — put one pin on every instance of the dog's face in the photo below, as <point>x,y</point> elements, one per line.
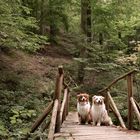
<point>98,100</point>
<point>83,98</point>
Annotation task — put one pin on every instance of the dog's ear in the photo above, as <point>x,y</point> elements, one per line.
<point>93,97</point>
<point>103,98</point>
<point>87,95</point>
<point>78,95</point>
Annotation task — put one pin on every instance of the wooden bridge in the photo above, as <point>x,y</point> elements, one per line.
<point>64,124</point>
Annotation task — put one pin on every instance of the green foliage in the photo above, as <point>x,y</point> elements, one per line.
<point>16,29</point>
<point>20,114</point>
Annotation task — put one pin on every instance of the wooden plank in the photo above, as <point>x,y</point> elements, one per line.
<point>130,94</point>
<point>135,109</point>
<point>116,110</point>
<point>71,130</point>
<point>53,121</point>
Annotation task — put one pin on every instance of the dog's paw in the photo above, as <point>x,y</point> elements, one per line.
<point>93,123</point>
<point>98,124</point>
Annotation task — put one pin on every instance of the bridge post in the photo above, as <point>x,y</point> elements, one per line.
<point>58,90</point>
<point>130,94</point>
<point>107,101</point>
<point>67,106</point>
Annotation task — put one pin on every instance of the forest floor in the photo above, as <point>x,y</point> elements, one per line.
<point>27,82</point>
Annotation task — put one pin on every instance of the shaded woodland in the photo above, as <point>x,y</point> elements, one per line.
<point>96,41</point>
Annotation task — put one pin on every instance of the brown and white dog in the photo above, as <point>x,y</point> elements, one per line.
<point>83,108</point>
<point>99,112</point>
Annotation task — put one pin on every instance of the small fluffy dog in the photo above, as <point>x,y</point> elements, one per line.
<point>99,112</point>
<point>83,108</point>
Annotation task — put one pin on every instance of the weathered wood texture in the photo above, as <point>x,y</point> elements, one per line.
<point>71,130</point>
<point>116,110</point>
<point>42,117</point>
<point>63,106</point>
<point>135,109</point>
<point>130,94</point>
<point>107,102</point>
<point>58,92</point>
<point>116,80</point>
<point>53,120</point>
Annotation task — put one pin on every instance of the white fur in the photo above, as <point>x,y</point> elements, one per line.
<point>83,108</point>
<point>99,113</point>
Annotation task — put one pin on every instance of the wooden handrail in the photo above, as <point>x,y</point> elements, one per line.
<point>59,112</point>
<point>129,94</point>
<point>137,105</point>
<point>53,120</point>
<point>44,127</point>
<point>116,110</point>
<point>59,83</point>
<point>129,77</point>
<point>63,104</point>
<point>135,109</point>
<point>58,92</point>
<point>41,118</point>
<point>116,80</point>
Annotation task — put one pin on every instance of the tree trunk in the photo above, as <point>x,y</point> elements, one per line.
<point>52,23</point>
<point>86,28</point>
<point>88,13</point>
<point>101,38</point>
<point>86,18</point>
<point>42,31</point>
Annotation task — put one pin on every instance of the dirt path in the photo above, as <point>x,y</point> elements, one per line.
<point>71,130</point>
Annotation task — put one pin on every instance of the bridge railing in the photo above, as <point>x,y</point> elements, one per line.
<point>57,106</point>
<point>60,110</point>
<point>131,102</point>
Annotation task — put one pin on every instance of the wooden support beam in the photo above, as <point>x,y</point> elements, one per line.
<point>107,102</point>
<point>42,117</point>
<point>135,109</point>
<point>116,110</point>
<point>137,105</point>
<point>45,126</point>
<point>130,94</point>
<point>116,80</point>
<point>63,106</point>
<point>53,120</point>
<point>68,100</point>
<point>59,83</point>
<point>58,91</point>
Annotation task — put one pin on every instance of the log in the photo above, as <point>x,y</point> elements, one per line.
<point>42,117</point>
<point>63,106</point>
<point>116,80</point>
<point>107,102</point>
<point>58,90</point>
<point>45,126</point>
<point>68,100</point>
<point>53,120</point>
<point>137,105</point>
<point>135,109</point>
<point>59,83</point>
<point>116,110</point>
<point>130,94</point>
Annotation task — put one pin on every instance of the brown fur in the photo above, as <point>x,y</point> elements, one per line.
<point>83,107</point>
